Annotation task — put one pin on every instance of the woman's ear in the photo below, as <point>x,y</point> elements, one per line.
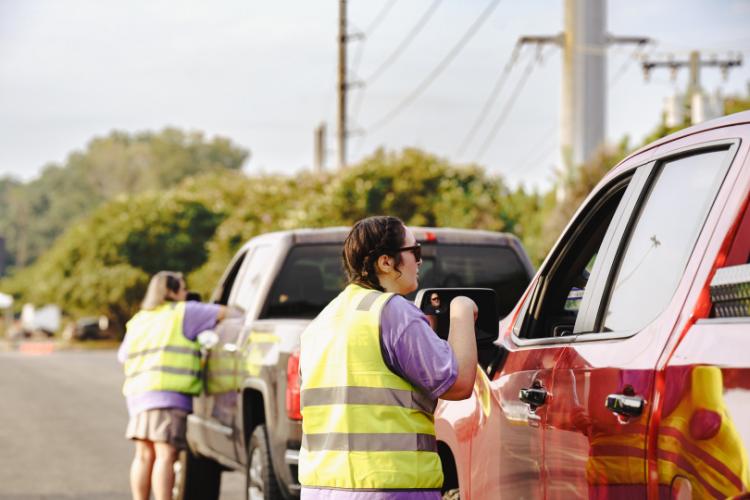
<point>384,264</point>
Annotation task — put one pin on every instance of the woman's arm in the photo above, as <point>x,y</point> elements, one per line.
<point>463,314</point>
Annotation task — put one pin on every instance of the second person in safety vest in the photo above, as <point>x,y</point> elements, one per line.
<point>161,358</point>
<point>372,370</point>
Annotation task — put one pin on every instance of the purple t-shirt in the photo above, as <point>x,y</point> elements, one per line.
<point>412,350</point>
<point>198,317</point>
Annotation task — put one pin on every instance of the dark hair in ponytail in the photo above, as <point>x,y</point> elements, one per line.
<point>369,239</point>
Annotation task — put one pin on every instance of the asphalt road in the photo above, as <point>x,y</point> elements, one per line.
<point>62,425</point>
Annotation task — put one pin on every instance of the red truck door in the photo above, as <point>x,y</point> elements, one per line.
<point>542,334</point>
<point>604,403</point>
<point>505,440</point>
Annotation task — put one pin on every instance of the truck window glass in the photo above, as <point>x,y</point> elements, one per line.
<point>663,239</point>
<point>567,276</point>
<point>312,275</point>
<point>251,276</point>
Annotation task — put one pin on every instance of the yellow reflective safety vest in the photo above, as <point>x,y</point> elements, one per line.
<point>364,427</point>
<point>160,358</point>
<point>220,372</point>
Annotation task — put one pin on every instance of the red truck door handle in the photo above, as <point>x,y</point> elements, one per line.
<point>534,397</point>
<point>627,406</point>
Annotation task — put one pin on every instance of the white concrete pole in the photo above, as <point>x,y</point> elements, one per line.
<point>583,112</point>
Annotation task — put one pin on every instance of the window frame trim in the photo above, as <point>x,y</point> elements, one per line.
<point>561,250</point>
<point>614,253</point>
<point>591,300</point>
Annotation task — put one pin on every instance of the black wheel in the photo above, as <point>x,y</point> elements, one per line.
<point>196,478</point>
<point>260,479</point>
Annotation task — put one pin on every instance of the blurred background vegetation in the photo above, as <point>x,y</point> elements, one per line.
<point>88,234</point>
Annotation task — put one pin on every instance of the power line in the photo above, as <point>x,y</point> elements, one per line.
<point>546,148</point>
<point>550,144</point>
<point>379,17</point>
<point>423,20</point>
<point>400,48</point>
<point>468,35</point>
<point>485,110</point>
<point>506,109</point>
<point>368,32</point>
<point>626,65</point>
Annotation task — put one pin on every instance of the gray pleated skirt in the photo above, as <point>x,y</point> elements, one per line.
<point>164,425</point>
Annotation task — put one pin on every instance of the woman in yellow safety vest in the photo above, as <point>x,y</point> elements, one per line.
<point>372,370</point>
<point>161,357</point>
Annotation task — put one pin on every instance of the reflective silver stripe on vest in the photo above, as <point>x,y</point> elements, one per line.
<point>169,348</point>
<point>167,369</point>
<point>316,396</point>
<point>368,301</point>
<point>391,490</point>
<point>341,441</point>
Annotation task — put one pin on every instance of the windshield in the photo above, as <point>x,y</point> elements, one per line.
<point>313,275</point>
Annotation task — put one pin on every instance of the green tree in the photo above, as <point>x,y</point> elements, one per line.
<point>735,104</point>
<point>102,264</point>
<point>420,188</point>
<point>32,215</point>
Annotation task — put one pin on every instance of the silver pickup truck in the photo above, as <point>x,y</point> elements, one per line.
<point>248,417</point>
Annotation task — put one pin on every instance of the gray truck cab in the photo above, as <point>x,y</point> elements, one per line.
<point>247,417</point>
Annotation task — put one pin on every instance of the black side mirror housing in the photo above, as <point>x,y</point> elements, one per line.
<point>435,304</point>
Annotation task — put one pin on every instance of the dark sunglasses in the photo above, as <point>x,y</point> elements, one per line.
<point>416,250</point>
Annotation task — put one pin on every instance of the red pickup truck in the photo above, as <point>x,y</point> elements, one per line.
<point>627,364</point>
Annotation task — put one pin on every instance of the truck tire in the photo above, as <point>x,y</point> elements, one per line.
<point>260,478</point>
<point>197,478</point>
<point>453,494</point>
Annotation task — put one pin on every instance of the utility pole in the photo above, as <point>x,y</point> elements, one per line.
<point>342,87</point>
<point>319,163</point>
<point>584,75</point>
<point>3,255</point>
<point>693,63</point>
<point>584,79</point>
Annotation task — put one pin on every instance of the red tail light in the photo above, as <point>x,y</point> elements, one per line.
<point>293,387</point>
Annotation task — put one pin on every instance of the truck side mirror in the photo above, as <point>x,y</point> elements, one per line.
<point>435,304</point>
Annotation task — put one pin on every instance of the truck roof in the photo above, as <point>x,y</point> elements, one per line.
<point>723,121</point>
<point>423,234</point>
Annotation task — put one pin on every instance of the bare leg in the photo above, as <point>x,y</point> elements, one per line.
<point>140,470</point>
<point>162,477</point>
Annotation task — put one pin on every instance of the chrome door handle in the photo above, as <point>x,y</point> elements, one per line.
<point>534,397</point>
<point>627,406</point>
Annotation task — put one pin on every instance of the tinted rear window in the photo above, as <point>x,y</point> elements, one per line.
<point>477,266</point>
<point>313,275</point>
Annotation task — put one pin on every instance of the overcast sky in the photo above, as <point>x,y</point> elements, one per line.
<point>263,73</point>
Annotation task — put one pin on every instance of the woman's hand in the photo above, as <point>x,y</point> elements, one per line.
<point>462,305</point>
